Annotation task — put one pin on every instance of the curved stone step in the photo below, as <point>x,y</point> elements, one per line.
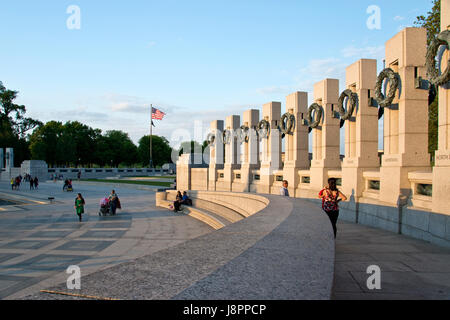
<point>195,213</point>
<point>230,215</point>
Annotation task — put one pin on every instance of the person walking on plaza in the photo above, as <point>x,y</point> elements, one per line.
<point>79,206</point>
<point>12,184</point>
<point>114,202</point>
<point>284,191</point>
<point>331,197</point>
<point>79,175</point>
<point>36,183</point>
<point>31,183</point>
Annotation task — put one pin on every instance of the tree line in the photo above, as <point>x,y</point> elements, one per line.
<point>74,144</point>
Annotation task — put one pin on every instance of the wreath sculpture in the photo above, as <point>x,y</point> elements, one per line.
<point>287,123</point>
<point>394,83</point>
<point>351,104</point>
<point>243,134</point>
<point>211,139</point>
<point>263,129</point>
<point>432,71</point>
<point>227,136</point>
<point>318,115</point>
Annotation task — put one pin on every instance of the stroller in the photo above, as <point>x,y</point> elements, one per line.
<point>68,186</point>
<point>105,208</point>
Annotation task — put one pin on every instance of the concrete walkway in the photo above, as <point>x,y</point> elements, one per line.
<point>410,269</point>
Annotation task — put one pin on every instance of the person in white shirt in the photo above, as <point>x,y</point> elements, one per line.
<point>284,190</point>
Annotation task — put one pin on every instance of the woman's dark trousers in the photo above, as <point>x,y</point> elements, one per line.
<point>334,216</point>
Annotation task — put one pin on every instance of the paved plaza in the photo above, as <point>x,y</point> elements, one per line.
<point>39,240</point>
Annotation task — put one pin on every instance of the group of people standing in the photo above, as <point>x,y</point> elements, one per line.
<point>330,195</point>
<point>17,182</point>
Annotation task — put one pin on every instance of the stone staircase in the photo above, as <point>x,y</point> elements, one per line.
<point>215,212</point>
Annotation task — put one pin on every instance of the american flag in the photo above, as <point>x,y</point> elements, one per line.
<point>157,114</point>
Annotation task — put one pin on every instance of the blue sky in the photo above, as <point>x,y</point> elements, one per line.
<point>195,60</point>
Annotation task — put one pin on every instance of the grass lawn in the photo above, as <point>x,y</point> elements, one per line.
<point>145,183</point>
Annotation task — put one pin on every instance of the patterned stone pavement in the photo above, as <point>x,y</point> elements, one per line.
<point>39,240</point>
<point>410,269</point>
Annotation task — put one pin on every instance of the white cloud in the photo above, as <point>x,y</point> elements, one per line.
<point>399,18</point>
<point>151,44</point>
<point>374,52</point>
<point>275,90</point>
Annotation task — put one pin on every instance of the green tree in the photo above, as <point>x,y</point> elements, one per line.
<point>12,116</point>
<point>432,23</point>
<point>85,141</point>
<point>44,141</point>
<point>161,151</point>
<point>121,149</point>
<point>14,125</point>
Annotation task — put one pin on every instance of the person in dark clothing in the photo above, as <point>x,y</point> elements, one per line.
<point>113,200</point>
<point>31,183</point>
<point>177,203</point>
<point>36,183</point>
<point>185,199</point>
<point>331,197</point>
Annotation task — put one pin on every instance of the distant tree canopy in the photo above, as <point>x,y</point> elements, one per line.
<point>432,23</point>
<point>75,144</point>
<point>161,151</point>
<point>14,125</point>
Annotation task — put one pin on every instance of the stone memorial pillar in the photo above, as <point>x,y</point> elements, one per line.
<point>326,137</point>
<point>296,143</point>
<point>232,152</point>
<point>9,158</point>
<point>2,159</point>
<point>441,172</point>
<point>361,130</point>
<point>250,159</point>
<point>405,125</point>
<point>184,172</point>
<point>216,159</point>
<point>271,147</point>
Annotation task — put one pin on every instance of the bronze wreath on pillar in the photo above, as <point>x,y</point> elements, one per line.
<point>211,139</point>
<point>263,129</point>
<point>433,73</point>
<point>393,78</point>
<point>351,104</point>
<point>243,134</point>
<point>318,115</point>
<point>287,123</point>
<point>227,136</point>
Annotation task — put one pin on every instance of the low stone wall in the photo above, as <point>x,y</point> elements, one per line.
<point>283,251</point>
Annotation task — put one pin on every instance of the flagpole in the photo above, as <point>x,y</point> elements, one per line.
<point>151,133</point>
